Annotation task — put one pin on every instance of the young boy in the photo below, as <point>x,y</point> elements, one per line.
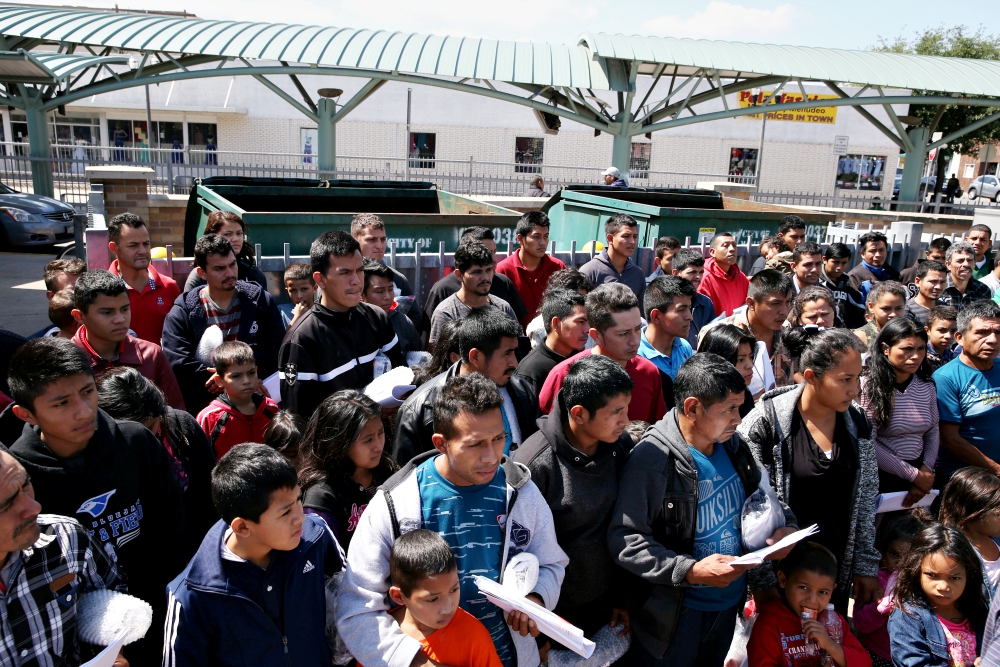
<point>61,307</point>
<point>379,291</point>
<point>301,288</point>
<point>942,323</point>
<point>258,590</point>
<point>781,637</point>
<point>239,414</point>
<point>425,582</point>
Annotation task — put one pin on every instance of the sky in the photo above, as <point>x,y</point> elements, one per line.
<point>850,24</point>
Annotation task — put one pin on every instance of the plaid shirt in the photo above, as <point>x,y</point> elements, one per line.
<point>38,610</point>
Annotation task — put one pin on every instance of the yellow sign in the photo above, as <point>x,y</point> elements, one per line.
<point>825,115</point>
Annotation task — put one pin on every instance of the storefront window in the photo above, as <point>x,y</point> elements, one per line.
<point>422,150</point>
<point>639,162</point>
<point>860,172</point>
<point>203,137</point>
<point>743,162</point>
<point>528,153</point>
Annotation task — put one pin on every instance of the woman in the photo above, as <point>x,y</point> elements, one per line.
<point>816,448</point>
<point>231,226</point>
<point>738,347</point>
<point>445,354</point>
<point>127,396</point>
<point>343,460</point>
<point>899,396</point>
<point>886,301</point>
<point>813,305</point>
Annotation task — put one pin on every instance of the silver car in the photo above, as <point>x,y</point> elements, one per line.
<point>27,219</point>
<point>985,186</point>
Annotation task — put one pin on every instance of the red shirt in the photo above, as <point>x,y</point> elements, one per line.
<point>647,395</point>
<point>530,284</point>
<point>227,427</point>
<point>727,290</point>
<point>151,305</point>
<point>777,641</point>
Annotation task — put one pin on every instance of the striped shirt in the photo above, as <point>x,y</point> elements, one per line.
<point>912,432</point>
<point>227,320</point>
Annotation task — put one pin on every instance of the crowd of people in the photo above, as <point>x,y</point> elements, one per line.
<point>587,438</point>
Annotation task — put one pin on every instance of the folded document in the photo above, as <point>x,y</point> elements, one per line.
<point>389,388</point>
<point>759,556</point>
<point>891,502</point>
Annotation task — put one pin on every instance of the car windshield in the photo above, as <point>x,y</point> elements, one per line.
<point>4,190</point>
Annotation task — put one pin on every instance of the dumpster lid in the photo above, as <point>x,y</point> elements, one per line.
<point>261,181</point>
<point>657,197</point>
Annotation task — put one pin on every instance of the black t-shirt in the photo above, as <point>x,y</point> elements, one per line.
<point>501,287</point>
<point>747,404</point>
<point>344,502</point>
<point>537,365</point>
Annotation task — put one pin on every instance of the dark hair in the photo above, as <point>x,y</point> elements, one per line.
<point>471,393</point>
<point>472,253</point>
<point>617,221</point>
<point>232,353</point>
<point>217,220</point>
<point>959,247</point>
<point>447,342</point>
<point>284,432</point>
<point>299,271</point>
<point>569,278</point>
<point>879,290</point>
<point>61,307</point>
<point>57,267</point>
<point>871,237</point>
<point>720,235</point>
<point>126,395</point>
<point>417,555</point>
<point>334,242</point>
<point>363,221</point>
<point>948,540</point>
<point>821,350</point>
<point>941,313</point>
<point>809,557</point>
<point>880,389</point>
<point>977,310</point>
<point>790,222</point>
<point>484,329</point>
<point>246,477</point>
<point>607,301</point>
<point>928,265</point>
<point>592,381</point>
<point>665,243</point>
<point>980,228</point>
<point>808,295</point>
<point>837,251</point>
<point>93,284</point>
<point>560,303</point>
<point>903,527</point>
<point>686,257</point>
<point>775,242</point>
<point>116,223</point>
<point>40,362</point>
<point>373,268</point>
<point>332,430</point>
<point>709,378</point>
<point>476,233</point>
<point>725,340</point>
<point>970,494</point>
<point>661,293</point>
<point>941,244</point>
<point>806,248</point>
<point>529,220</point>
<point>210,244</point>
<point>769,281</point>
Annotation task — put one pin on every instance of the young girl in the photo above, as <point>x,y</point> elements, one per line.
<point>971,503</point>
<point>343,460</point>
<point>283,435</point>
<point>739,348</point>
<point>813,305</point>
<point>940,612</point>
<point>871,620</point>
<point>886,301</point>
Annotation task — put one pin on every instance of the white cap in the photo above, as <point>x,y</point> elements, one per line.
<point>611,171</point>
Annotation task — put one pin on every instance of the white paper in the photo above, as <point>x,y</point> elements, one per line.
<point>763,372</point>
<point>273,385</point>
<point>549,623</point>
<point>759,556</point>
<point>107,657</point>
<point>892,502</point>
<point>389,388</point>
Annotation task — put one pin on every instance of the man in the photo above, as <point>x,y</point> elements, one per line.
<point>613,177</point>
<point>666,248</point>
<point>616,329</point>
<point>962,288</point>
<point>850,305</point>
<point>464,490</point>
<point>570,279</point>
<point>872,269</point>
<point>763,315</point>
<point>724,283</point>
<point>930,280</point>
<point>487,342</point>
<point>369,231</point>
<point>936,250</point>
<point>103,309</point>
<point>566,332</point>
<point>475,269</point>
<point>338,342</point>
<point>980,237</point>
<point>241,310</point>
<point>502,287</point>
<point>951,188</point>
<point>690,265</point>
<point>59,274</point>
<point>536,187</point>
<point>575,459</point>
<point>44,557</point>
<point>530,266</point>
<point>379,291</point>
<point>807,265</point>
<point>668,315</point>
<point>968,392</point>
<point>792,231</point>
<point>992,279</point>
<point>691,473</point>
<point>150,294</point>
<point>614,263</point>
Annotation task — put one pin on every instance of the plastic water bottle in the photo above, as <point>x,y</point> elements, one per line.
<point>808,615</point>
<point>831,622</point>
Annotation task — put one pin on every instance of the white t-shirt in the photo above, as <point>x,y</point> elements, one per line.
<point>991,281</point>
<point>992,571</point>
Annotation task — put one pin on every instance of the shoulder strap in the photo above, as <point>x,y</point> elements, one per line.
<point>392,514</point>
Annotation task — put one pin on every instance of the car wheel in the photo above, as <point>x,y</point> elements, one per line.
<point>972,194</point>
<point>996,197</point>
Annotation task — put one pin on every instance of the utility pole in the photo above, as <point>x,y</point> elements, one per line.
<point>406,151</point>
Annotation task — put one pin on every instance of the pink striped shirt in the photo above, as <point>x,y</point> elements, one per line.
<point>912,432</point>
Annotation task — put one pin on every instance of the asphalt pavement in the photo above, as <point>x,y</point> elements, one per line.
<point>23,310</point>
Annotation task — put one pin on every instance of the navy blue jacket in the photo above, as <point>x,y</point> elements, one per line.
<point>260,327</point>
<point>917,638</point>
<point>212,622</point>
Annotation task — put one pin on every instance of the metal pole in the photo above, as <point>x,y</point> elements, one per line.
<point>406,152</point>
<point>326,135</point>
<point>149,126</point>
<point>760,150</point>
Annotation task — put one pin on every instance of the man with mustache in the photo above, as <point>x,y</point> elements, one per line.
<point>241,310</point>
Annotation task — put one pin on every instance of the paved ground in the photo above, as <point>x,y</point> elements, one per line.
<point>23,311</point>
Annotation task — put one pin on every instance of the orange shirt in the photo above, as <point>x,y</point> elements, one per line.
<point>465,642</point>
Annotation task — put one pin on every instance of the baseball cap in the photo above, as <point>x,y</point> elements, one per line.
<point>611,171</point>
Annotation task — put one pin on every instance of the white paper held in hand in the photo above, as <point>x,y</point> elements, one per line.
<point>549,623</point>
<point>389,388</point>
<point>107,657</point>
<point>892,502</point>
<point>758,557</point>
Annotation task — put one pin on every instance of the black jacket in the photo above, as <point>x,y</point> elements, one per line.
<point>245,271</point>
<point>326,351</point>
<point>193,449</point>
<point>502,287</point>
<point>260,327</point>
<point>850,306</point>
<point>415,419</point>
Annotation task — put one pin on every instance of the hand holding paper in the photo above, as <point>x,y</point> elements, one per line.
<point>759,556</point>
<point>892,502</point>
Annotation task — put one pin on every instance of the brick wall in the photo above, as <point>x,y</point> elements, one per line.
<point>125,196</point>
<point>166,221</point>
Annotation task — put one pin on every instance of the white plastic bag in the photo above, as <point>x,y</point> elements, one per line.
<point>737,656</point>
<point>761,516</point>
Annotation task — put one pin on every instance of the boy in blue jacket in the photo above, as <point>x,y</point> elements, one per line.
<point>259,589</point>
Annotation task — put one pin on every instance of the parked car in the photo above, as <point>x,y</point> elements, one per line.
<point>985,186</point>
<point>27,219</point>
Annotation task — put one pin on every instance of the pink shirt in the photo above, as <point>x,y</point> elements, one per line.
<point>961,642</point>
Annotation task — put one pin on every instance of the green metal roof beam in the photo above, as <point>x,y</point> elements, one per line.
<point>366,91</point>
<point>867,115</point>
<point>277,90</point>
<point>965,130</point>
<point>708,95</point>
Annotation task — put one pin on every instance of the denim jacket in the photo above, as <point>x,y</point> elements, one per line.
<point>917,638</point>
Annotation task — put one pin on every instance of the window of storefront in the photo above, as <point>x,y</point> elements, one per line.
<point>639,161</point>
<point>743,162</point>
<point>860,172</point>
<point>528,152</point>
<point>203,141</point>
<point>423,147</point>
<point>969,170</point>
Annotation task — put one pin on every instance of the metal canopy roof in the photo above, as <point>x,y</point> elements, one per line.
<point>47,68</point>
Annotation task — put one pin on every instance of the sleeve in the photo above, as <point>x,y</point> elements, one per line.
<point>178,343</point>
<point>547,396</point>
<point>657,407</point>
<point>438,320</point>
<point>552,560</point>
<point>932,437</point>
<point>300,386</point>
<point>390,345</point>
<point>267,358</point>
<point>854,653</point>
<point>866,556</point>
<point>409,428</point>
<point>185,639</point>
<point>868,619</point>
<point>892,464</point>
<point>756,431</point>
<point>763,649</point>
<point>167,381</point>
<point>908,640</point>
<point>98,571</point>
<point>990,650</point>
<point>193,280</point>
<point>514,299</point>
<point>484,652</point>
<point>170,539</point>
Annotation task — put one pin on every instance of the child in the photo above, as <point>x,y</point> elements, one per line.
<point>283,435</point>
<point>301,288</point>
<point>940,611</point>
<point>256,593</point>
<point>344,460</point>
<point>240,414</point>
<point>971,503</point>
<point>425,582</point>
<point>871,621</point>
<point>942,323</point>
<point>379,291</point>
<point>782,637</point>
<point>885,301</point>
<point>61,314</point>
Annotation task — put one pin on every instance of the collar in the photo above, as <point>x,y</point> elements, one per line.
<point>879,272</point>
<point>153,278</point>
<point>95,358</point>
<point>607,260</point>
<point>646,346</point>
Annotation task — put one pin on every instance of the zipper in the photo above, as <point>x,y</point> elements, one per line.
<point>284,640</point>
